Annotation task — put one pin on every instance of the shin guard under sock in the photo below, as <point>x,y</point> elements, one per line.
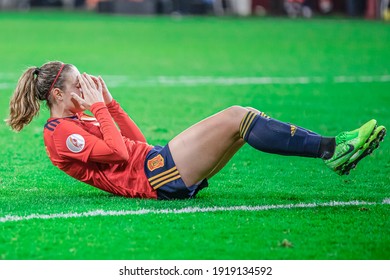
<point>272,136</point>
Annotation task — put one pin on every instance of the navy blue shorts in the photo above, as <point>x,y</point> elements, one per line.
<point>164,177</point>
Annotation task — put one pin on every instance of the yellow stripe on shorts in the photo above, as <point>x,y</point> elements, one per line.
<point>164,178</point>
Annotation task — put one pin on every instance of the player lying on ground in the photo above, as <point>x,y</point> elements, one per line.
<point>94,151</point>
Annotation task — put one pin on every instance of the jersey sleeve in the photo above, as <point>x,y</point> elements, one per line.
<point>127,126</point>
<point>73,142</point>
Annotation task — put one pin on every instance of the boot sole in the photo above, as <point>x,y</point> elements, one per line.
<point>345,168</point>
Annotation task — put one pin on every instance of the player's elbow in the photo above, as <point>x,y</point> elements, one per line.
<point>124,156</point>
<point>121,156</point>
<point>141,139</point>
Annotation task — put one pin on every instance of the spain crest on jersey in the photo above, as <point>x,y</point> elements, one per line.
<point>156,162</point>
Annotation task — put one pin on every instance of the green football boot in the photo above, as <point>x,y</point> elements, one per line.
<point>352,146</point>
<point>373,143</point>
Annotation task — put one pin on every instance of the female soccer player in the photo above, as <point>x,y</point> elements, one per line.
<point>92,149</point>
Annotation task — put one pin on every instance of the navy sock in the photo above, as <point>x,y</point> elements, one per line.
<point>272,136</point>
<point>327,147</point>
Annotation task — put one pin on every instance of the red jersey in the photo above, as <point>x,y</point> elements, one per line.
<point>94,151</point>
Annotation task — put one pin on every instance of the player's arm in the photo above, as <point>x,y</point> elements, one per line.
<point>73,142</point>
<point>127,126</point>
<point>109,149</point>
<point>113,143</point>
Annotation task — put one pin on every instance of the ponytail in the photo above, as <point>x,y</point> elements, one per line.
<point>24,104</point>
<point>34,86</point>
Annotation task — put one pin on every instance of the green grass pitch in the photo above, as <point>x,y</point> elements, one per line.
<point>328,75</point>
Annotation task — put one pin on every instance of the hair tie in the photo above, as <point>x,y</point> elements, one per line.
<point>36,71</point>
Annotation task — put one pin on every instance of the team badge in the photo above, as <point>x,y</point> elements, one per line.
<point>293,130</point>
<point>75,143</point>
<point>156,162</point>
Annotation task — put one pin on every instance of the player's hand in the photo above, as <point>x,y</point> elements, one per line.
<point>92,92</point>
<point>106,94</point>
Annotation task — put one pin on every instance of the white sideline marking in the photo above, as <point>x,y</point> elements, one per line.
<point>8,80</point>
<point>95,213</point>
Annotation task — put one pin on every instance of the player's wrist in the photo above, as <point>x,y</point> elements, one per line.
<point>111,104</point>
<point>97,106</point>
<point>108,100</point>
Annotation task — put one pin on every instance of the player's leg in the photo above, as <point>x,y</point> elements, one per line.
<point>231,152</point>
<point>341,153</point>
<point>226,158</point>
<point>204,148</point>
<point>198,150</point>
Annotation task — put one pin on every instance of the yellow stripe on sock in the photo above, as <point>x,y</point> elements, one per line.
<point>252,117</point>
<point>264,115</point>
<point>244,123</point>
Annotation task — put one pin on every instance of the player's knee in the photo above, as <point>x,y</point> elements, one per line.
<point>240,111</point>
<point>253,110</point>
<point>236,112</point>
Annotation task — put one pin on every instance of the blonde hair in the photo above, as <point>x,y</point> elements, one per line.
<point>32,88</point>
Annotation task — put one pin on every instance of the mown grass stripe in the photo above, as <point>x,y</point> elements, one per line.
<point>191,81</point>
<point>100,212</point>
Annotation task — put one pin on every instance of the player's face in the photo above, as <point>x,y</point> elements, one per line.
<point>72,85</point>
